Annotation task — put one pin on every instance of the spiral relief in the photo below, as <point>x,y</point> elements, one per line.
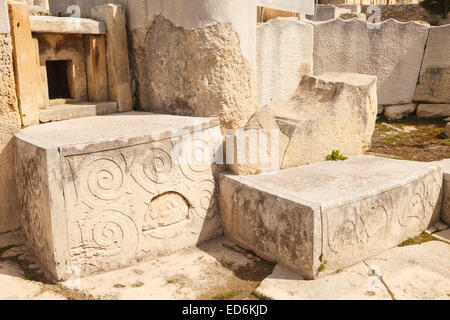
<point>205,203</point>
<point>195,158</point>
<point>104,178</point>
<point>113,233</point>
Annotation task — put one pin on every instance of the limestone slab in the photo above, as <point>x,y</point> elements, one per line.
<point>443,236</point>
<point>393,52</point>
<point>92,188</point>
<point>445,215</point>
<point>47,24</point>
<point>4,20</point>
<point>396,112</point>
<point>73,111</point>
<point>28,84</point>
<point>119,79</point>
<point>417,272</point>
<point>434,80</point>
<point>433,110</point>
<point>332,213</point>
<point>284,55</point>
<point>328,112</point>
<point>96,69</point>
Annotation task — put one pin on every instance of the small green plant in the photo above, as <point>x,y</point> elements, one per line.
<point>323,263</point>
<point>227,295</point>
<point>336,156</point>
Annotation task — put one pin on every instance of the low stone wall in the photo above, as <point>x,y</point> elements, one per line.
<point>9,124</point>
<point>284,55</point>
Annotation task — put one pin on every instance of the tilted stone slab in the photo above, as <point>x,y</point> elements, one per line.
<point>330,214</point>
<point>393,53</point>
<point>327,112</point>
<point>46,24</point>
<point>78,110</point>
<point>99,193</point>
<point>434,80</point>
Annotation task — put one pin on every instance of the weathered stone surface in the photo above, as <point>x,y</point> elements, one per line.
<point>119,80</point>
<point>396,112</point>
<point>433,110</point>
<point>259,147</point>
<point>447,129</point>
<point>325,13</point>
<point>284,55</point>
<point>203,272</point>
<point>206,75</point>
<point>330,213</point>
<point>443,236</point>
<point>349,284</point>
<point>380,109</point>
<point>29,88</point>
<point>4,20</point>
<point>327,112</point>
<point>434,80</point>
<point>64,47</point>
<point>73,111</point>
<point>393,53</point>
<point>87,185</point>
<point>9,124</point>
<point>417,272</point>
<point>445,215</point>
<point>46,24</point>
<point>96,70</point>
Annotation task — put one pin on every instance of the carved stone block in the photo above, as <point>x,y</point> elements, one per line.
<point>99,193</point>
<point>331,215</point>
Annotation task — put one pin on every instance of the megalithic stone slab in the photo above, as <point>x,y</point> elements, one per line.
<point>26,67</point>
<point>434,80</point>
<point>330,215</point>
<point>99,193</point>
<point>119,79</point>
<point>96,70</point>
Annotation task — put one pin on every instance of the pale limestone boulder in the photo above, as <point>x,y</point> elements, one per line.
<point>433,110</point>
<point>327,112</point>
<point>434,80</point>
<point>331,214</point>
<point>284,55</point>
<point>95,191</point>
<point>396,112</point>
<point>393,53</point>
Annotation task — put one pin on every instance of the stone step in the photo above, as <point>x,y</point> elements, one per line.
<point>68,111</point>
<point>330,214</point>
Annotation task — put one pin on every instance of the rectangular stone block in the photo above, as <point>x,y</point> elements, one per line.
<point>97,75</point>
<point>445,215</point>
<point>46,24</point>
<point>331,214</point>
<point>26,67</point>
<point>61,112</point>
<point>100,193</point>
<point>117,54</point>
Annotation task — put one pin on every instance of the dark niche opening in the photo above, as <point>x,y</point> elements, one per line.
<point>58,84</point>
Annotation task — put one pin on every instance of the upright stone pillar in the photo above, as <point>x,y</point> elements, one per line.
<point>117,54</point>
<point>97,76</point>
<point>26,67</point>
<point>9,124</point>
<point>196,58</point>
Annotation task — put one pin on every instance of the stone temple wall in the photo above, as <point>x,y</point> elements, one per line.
<point>9,124</point>
<point>195,58</point>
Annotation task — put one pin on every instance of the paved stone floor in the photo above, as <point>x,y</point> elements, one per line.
<point>222,270</point>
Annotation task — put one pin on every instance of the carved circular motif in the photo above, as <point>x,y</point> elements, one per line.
<point>104,178</point>
<point>195,158</point>
<point>114,233</point>
<point>206,199</point>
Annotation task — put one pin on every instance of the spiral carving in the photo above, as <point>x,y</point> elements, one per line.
<point>114,233</point>
<point>195,158</point>
<point>105,178</point>
<point>206,201</point>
